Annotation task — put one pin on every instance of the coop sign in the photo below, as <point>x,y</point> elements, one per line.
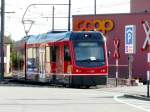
<point>98,25</point>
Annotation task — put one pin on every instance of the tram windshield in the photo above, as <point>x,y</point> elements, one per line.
<point>92,52</point>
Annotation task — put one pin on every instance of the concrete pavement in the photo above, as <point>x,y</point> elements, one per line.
<point>45,99</point>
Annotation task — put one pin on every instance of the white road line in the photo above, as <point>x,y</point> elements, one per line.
<point>132,105</point>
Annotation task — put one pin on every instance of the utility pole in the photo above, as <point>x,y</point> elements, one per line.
<point>53,14</point>
<point>69,14</point>
<point>95,7</point>
<point>2,40</point>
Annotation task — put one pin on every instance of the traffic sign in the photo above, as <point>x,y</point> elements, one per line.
<point>130,39</point>
<point>147,32</point>
<point>116,52</point>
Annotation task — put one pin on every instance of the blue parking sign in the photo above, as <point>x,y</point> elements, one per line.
<point>130,39</point>
<point>129,35</point>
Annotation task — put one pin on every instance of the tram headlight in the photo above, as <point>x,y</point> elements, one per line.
<point>104,70</point>
<point>77,70</point>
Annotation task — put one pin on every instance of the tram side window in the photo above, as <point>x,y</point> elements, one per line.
<point>31,62</point>
<point>67,56</point>
<point>48,54</point>
<point>53,54</point>
<point>37,57</point>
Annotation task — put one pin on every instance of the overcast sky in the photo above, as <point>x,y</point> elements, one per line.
<point>14,27</point>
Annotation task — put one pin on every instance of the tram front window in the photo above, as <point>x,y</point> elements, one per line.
<point>89,54</point>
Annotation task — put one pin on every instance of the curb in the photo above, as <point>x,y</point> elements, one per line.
<point>139,97</point>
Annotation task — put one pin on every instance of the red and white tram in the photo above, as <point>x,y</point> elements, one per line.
<point>69,58</point>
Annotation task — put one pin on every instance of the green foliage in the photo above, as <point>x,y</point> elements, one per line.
<point>15,55</point>
<point>10,41</point>
<point>16,60</point>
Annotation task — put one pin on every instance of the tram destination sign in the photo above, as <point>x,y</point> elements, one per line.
<point>130,39</point>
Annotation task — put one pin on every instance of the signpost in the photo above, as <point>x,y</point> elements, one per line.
<point>130,46</point>
<point>148,82</point>
<point>116,56</point>
<point>146,46</point>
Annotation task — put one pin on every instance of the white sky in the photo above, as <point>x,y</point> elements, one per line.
<point>14,27</point>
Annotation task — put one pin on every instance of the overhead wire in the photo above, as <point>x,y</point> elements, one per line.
<point>37,15</point>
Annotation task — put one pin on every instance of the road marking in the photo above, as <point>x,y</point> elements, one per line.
<point>132,105</point>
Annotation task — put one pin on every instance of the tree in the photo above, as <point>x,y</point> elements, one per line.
<point>16,55</point>
<point>17,60</point>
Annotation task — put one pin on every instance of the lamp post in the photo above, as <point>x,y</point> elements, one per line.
<point>25,43</point>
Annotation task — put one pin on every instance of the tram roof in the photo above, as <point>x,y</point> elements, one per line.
<point>52,37</point>
<point>48,37</point>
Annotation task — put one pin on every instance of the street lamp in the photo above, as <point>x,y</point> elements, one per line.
<point>30,22</point>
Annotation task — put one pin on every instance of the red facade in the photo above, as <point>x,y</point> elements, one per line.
<point>113,25</point>
<point>140,5</point>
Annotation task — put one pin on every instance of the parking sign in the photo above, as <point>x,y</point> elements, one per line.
<point>130,39</point>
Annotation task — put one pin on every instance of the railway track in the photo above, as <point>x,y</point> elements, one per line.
<point>25,83</point>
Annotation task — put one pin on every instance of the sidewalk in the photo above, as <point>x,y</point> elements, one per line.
<point>137,92</point>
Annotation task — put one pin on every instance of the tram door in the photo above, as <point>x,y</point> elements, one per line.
<point>59,61</point>
<point>42,75</point>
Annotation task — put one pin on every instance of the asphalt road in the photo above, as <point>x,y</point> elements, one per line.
<point>44,99</point>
